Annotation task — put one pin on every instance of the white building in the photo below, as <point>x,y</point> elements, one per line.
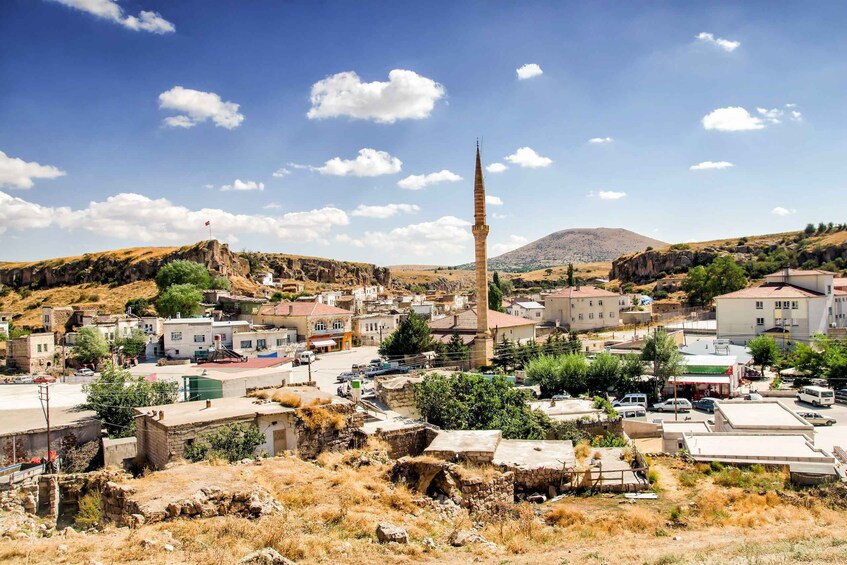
<point>266,279</point>
<point>528,309</point>
<point>185,336</point>
<point>792,306</point>
<point>583,308</point>
<point>373,328</point>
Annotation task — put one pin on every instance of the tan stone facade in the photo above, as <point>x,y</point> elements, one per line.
<point>33,353</point>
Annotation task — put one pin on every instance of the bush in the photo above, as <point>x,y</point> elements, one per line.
<point>90,511</point>
<point>287,399</point>
<point>653,477</point>
<point>609,440</point>
<point>319,419</point>
<point>232,442</point>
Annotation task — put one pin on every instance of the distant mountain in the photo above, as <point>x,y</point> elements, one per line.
<point>573,246</point>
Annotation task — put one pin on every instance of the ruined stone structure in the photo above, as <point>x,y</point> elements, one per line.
<point>396,392</point>
<point>403,442</point>
<point>483,345</point>
<point>311,443</point>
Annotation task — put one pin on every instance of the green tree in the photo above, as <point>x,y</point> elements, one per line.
<point>232,442</point>
<point>182,299</point>
<point>630,373</point>
<point>220,283</point>
<point>573,345</point>
<point>764,350</point>
<point>695,286</point>
<point>495,298</point>
<point>134,344</point>
<point>137,306</point>
<point>573,371</point>
<point>412,336</point>
<point>810,229</point>
<point>90,345</point>
<point>116,393</point>
<point>183,272</point>
<point>603,372</point>
<point>725,276</point>
<point>661,351</point>
<point>504,354</point>
<point>571,277</point>
<point>456,350</point>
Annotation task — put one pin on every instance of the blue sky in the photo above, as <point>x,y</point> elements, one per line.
<point>132,123</point>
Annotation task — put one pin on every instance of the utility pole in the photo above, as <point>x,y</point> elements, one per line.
<point>44,397</point>
<point>310,369</point>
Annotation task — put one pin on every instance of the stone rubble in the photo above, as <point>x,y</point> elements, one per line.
<point>386,532</point>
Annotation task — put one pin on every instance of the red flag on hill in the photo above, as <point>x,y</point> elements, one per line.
<point>208,222</point>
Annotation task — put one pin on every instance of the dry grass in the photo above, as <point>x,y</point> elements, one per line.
<point>320,401</point>
<point>582,449</point>
<point>287,399</point>
<point>319,419</point>
<point>260,394</point>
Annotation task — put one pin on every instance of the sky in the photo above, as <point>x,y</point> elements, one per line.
<point>348,129</point>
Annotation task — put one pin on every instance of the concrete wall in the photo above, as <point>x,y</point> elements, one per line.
<point>119,452</point>
<point>34,444</point>
<point>270,423</point>
<point>638,430</point>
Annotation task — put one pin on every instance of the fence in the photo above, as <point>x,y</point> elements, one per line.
<point>13,474</point>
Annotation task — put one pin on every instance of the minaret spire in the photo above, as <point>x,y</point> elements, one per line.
<point>483,349</point>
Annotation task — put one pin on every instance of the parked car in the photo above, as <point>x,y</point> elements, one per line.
<point>841,395</point>
<point>706,404</point>
<point>681,404</point>
<point>23,380</point>
<point>817,395</point>
<point>631,399</point>
<point>86,372</point>
<point>816,419</point>
<point>344,377</point>
<point>41,379</point>
<point>563,396</point>
<point>753,396</point>
<point>358,368</point>
<point>629,412</point>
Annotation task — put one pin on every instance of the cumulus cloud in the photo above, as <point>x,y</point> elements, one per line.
<point>496,168</point>
<point>607,195</point>
<point>493,200</point>
<point>514,242</point>
<point>17,173</point>
<point>369,163</point>
<point>774,115</point>
<point>710,165</point>
<point>598,140</point>
<point>243,185</point>
<point>405,96</point>
<point>417,182</point>
<point>527,157</point>
<point>198,106</point>
<point>732,118</point>
<point>282,172</point>
<point>386,211</point>
<point>780,211</point>
<point>272,206</point>
<point>528,71</point>
<point>110,10</point>
<point>447,234</point>
<point>137,217</point>
<point>725,44</point>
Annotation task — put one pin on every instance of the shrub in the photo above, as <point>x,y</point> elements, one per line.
<point>90,511</point>
<point>564,516</point>
<point>232,442</point>
<point>653,477</point>
<point>609,440</point>
<point>716,466</point>
<point>582,449</point>
<point>319,419</point>
<point>288,399</point>
<point>260,394</point>
<point>676,514</point>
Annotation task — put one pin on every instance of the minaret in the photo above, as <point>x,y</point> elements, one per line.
<point>483,348</point>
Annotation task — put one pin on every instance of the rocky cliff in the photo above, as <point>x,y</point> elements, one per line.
<point>318,270</point>
<point>123,266</point>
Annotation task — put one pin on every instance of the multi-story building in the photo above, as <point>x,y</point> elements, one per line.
<point>321,326</point>
<point>529,309</point>
<point>371,329</point>
<point>33,353</point>
<point>583,308</point>
<point>792,306</point>
<point>500,325</point>
<point>184,337</point>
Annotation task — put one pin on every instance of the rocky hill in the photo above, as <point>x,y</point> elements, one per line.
<point>317,270</point>
<point>575,245</point>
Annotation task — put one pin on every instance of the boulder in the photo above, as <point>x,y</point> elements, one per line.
<point>387,532</point>
<point>461,538</point>
<point>266,556</point>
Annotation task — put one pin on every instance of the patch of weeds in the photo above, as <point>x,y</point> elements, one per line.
<point>660,533</point>
<point>668,559</point>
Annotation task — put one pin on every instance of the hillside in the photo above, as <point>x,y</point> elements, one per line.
<point>576,245</point>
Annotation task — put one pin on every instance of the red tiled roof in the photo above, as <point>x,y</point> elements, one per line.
<point>772,290</point>
<point>466,321</point>
<point>582,292</point>
<point>301,309</point>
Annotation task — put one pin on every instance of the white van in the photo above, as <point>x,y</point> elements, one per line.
<point>306,357</point>
<point>631,399</point>
<point>817,395</point>
<point>630,412</point>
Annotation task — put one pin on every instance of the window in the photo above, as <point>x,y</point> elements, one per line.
<point>38,347</point>
<point>580,316</point>
<point>320,327</point>
<point>261,343</point>
<point>600,315</point>
<point>599,303</point>
<point>760,321</point>
<point>778,304</point>
<point>538,314</point>
<point>280,342</point>
<point>246,344</point>
<point>591,303</point>
<point>176,336</point>
<point>794,304</point>
<point>199,338</point>
<point>829,289</point>
<point>759,305</point>
<point>338,325</point>
<point>591,316</point>
<point>611,315</point>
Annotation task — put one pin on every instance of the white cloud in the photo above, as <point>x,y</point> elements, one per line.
<point>110,10</point>
<point>447,234</point>
<point>386,211</point>
<point>417,182</point>
<point>796,116</point>
<point>496,168</point>
<point>528,158</point>
<point>243,185</point>
<point>725,44</point>
<point>347,240</point>
<point>774,115</point>
<point>198,106</point>
<point>493,200</point>
<point>514,242</point>
<point>599,140</point>
<point>272,206</point>
<point>606,195</point>
<point>497,216</point>
<point>137,217</point>
<point>406,96</point>
<point>528,71</point>
<point>780,211</point>
<point>17,173</point>
<point>709,165</point>
<point>732,118</point>
<point>282,172</point>
<point>369,163</point>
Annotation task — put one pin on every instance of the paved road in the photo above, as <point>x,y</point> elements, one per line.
<point>329,365</point>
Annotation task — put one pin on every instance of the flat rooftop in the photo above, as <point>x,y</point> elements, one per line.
<point>760,414</point>
<point>686,427</point>
<point>29,420</point>
<point>758,447</point>
<point>465,441</point>
<point>527,454</point>
<point>251,363</point>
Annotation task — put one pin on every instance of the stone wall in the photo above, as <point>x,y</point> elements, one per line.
<point>537,480</point>
<point>406,442</point>
<point>396,392</point>
<point>311,443</point>
<point>601,427</point>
